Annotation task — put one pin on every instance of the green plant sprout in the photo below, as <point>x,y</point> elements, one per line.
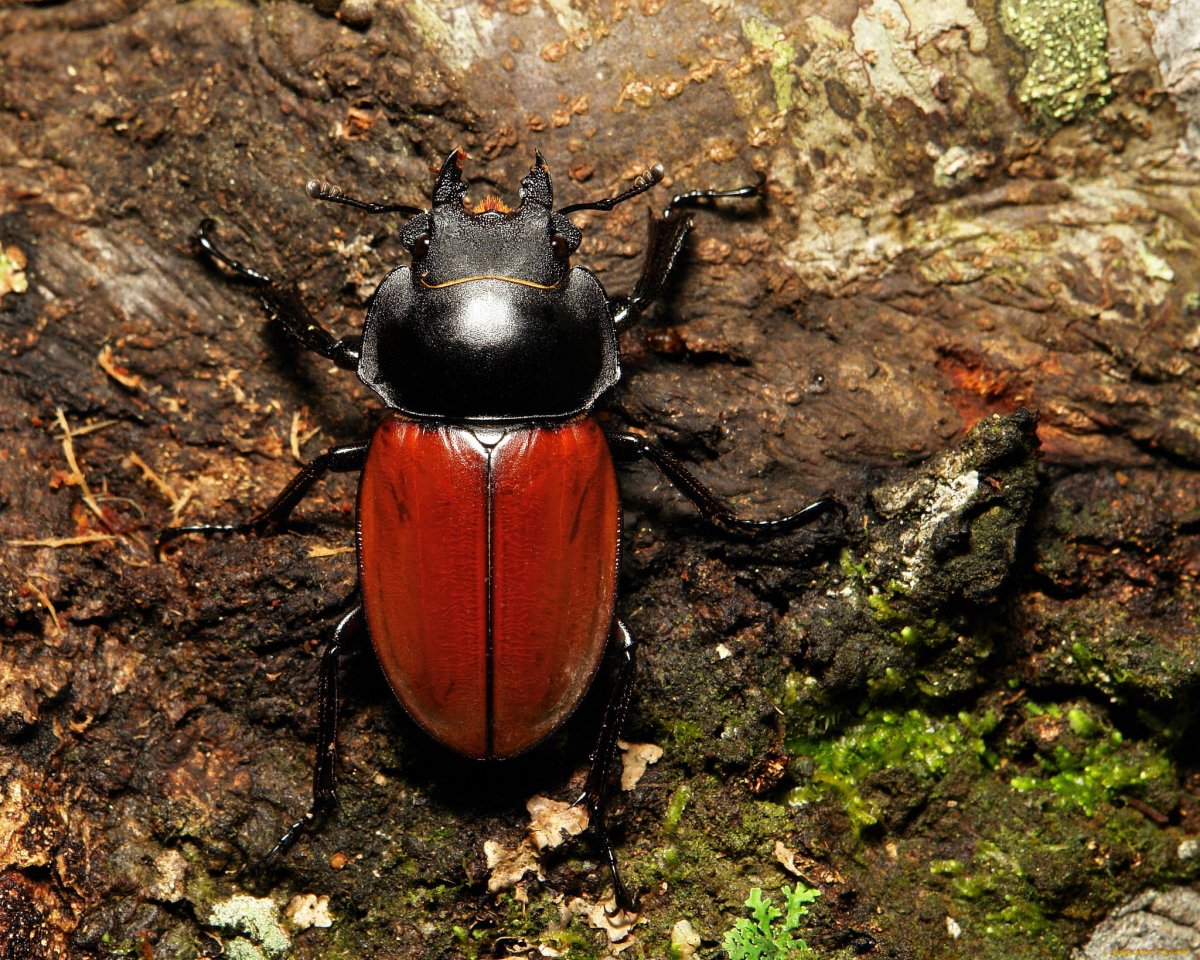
<point>764,937</point>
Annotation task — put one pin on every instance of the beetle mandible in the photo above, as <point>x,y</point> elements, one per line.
<point>488,529</point>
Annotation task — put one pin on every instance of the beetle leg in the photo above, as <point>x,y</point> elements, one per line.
<point>665,240</point>
<point>666,236</point>
<point>597,789</point>
<point>629,446</point>
<point>700,198</point>
<point>281,303</point>
<point>324,769</point>
<point>337,459</point>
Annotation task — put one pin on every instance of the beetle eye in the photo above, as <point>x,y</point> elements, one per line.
<point>420,246</point>
<point>562,249</point>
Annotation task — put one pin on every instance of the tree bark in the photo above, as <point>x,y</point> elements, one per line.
<point>964,714</point>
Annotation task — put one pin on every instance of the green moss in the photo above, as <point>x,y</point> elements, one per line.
<point>997,898</point>
<point>1082,722</point>
<point>685,733</point>
<point>892,682</point>
<point>853,569</point>
<point>675,808</point>
<point>889,605</point>
<point>1019,919</point>
<point>1067,73</point>
<point>538,921</point>
<point>669,860</point>
<point>1104,768</point>
<point>885,740</point>
<point>1024,876</point>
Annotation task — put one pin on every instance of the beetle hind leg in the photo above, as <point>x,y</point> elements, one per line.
<point>597,789</point>
<point>324,802</point>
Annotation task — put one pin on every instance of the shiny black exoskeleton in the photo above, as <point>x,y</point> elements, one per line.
<point>490,322</point>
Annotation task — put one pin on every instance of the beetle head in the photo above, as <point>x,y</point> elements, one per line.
<point>491,322</point>
<point>455,243</point>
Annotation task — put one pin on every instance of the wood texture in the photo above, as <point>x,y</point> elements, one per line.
<point>970,207</point>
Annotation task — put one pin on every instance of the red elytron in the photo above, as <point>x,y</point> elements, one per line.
<point>508,542</point>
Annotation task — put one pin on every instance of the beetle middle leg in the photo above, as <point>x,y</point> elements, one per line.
<point>629,446</point>
<point>597,790</point>
<point>336,459</point>
<point>281,303</point>
<point>349,630</point>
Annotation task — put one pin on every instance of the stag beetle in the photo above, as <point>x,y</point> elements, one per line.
<point>489,523</point>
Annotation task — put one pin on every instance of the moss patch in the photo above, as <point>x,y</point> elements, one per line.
<point>1089,766</point>
<point>914,742</point>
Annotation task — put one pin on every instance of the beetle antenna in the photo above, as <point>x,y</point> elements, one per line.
<point>323,190</point>
<point>646,179</point>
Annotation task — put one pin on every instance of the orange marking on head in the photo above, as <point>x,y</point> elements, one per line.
<point>491,203</point>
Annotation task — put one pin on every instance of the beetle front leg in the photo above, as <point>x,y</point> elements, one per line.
<point>666,236</point>
<point>282,304</point>
<point>597,790</point>
<point>336,459</point>
<point>324,801</point>
<point>629,446</point>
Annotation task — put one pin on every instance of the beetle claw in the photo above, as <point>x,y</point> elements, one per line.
<point>624,904</point>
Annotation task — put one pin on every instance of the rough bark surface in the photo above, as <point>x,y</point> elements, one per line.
<point>966,718</point>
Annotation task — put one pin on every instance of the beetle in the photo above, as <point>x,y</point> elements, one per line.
<point>488,515</point>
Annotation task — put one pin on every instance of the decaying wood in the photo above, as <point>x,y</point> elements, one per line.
<point>973,211</point>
